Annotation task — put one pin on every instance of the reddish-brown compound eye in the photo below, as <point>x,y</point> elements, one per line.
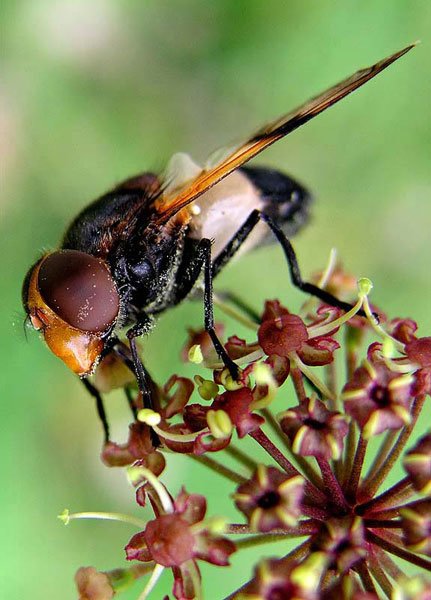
<point>79,288</point>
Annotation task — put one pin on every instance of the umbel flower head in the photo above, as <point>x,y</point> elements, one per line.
<point>315,388</point>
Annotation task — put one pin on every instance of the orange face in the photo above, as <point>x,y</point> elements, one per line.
<point>72,299</point>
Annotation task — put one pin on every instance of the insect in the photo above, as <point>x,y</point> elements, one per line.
<point>143,246</point>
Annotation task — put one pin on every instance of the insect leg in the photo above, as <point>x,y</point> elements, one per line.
<point>130,401</point>
<point>99,405</point>
<point>203,254</point>
<point>295,273</point>
<point>141,327</point>
<point>142,377</point>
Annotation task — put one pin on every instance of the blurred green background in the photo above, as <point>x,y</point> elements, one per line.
<point>94,91</point>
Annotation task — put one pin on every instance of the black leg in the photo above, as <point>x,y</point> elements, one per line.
<point>144,381</point>
<point>131,402</point>
<point>200,259</point>
<point>295,274</point>
<point>141,327</point>
<point>99,405</point>
<point>204,252</point>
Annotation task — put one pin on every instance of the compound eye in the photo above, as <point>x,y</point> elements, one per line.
<point>79,288</point>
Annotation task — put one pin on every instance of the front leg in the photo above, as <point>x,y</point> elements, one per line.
<point>203,258</point>
<point>142,326</point>
<point>99,405</point>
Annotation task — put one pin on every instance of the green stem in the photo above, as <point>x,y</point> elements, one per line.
<point>218,468</point>
<point>241,457</point>
<point>104,516</point>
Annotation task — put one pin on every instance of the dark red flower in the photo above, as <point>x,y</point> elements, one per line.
<point>378,398</point>
<point>281,579</point>
<point>270,499</point>
<point>403,330</point>
<point>284,334</point>
<point>347,588</point>
<point>237,404</point>
<point>417,463</point>
<point>176,393</point>
<point>201,338</point>
<point>93,585</point>
<point>171,539</point>
<point>419,351</point>
<point>139,447</point>
<point>313,430</point>
<point>343,542</point>
<point>167,540</point>
<point>416,526</point>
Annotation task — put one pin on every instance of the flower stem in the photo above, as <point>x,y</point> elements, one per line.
<point>370,487</point>
<point>380,576</point>
<point>381,454</point>
<point>331,382</point>
<point>362,569</point>
<point>314,512</point>
<point>303,528</point>
<point>218,468</point>
<point>298,382</point>
<point>263,538</point>
<point>263,440</point>
<point>241,457</point>
<point>386,499</point>
<point>398,551</point>
<point>333,488</point>
<point>388,564</point>
<point>382,523</point>
<point>349,453</point>
<point>158,570</point>
<point>309,374</point>
<point>355,474</point>
<point>394,511</point>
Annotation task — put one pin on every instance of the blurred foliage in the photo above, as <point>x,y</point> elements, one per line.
<point>94,91</point>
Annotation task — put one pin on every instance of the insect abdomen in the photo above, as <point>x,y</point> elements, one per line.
<point>285,200</point>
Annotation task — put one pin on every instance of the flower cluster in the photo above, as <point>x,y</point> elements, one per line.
<point>320,482</point>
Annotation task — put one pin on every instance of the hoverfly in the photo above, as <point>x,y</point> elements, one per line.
<point>142,247</point>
